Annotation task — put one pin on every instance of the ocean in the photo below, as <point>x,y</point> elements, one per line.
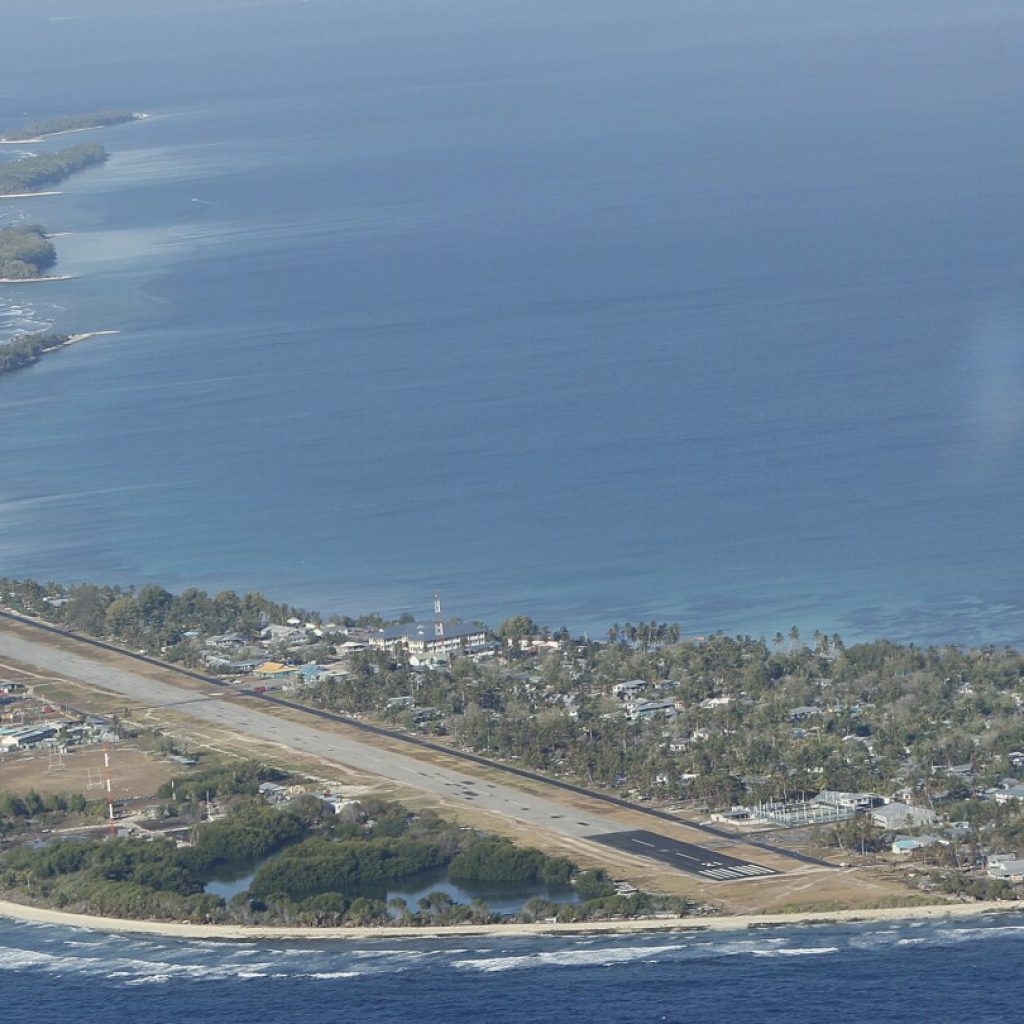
<point>703,312</point>
<point>896,972</point>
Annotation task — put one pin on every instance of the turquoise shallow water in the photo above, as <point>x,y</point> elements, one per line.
<point>591,312</point>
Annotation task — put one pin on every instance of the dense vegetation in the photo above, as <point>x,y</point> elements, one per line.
<point>349,867</point>
<point>149,616</point>
<point>25,252</point>
<point>491,859</point>
<point>745,719</point>
<point>240,779</point>
<point>33,172</point>
<point>75,122</point>
<point>331,869</point>
<point>27,349</point>
<point>16,811</point>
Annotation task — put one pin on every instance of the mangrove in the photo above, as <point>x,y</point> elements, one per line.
<point>18,177</point>
<point>25,252</point>
<point>68,123</point>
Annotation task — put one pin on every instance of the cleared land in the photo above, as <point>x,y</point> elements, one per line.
<point>133,773</point>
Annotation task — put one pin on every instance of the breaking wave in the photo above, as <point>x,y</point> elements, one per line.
<point>133,961</point>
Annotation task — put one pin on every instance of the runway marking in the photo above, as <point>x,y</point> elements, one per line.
<point>688,857</point>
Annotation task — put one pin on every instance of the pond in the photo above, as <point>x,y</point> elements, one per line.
<point>500,897</point>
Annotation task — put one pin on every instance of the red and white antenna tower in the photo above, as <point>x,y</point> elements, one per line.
<point>106,780</point>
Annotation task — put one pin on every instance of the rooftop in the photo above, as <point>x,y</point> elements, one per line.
<point>428,630</point>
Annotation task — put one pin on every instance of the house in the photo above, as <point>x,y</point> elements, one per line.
<point>274,670</point>
<point>311,672</point>
<point>422,638</point>
<point>276,634</point>
<point>628,688</point>
<point>806,711</point>
<point>849,801</point>
<point>1006,866</point>
<point>226,640</point>
<point>716,702</point>
<point>234,668</point>
<point>905,845</point>
<point>644,709</point>
<point>1006,795</point>
<point>899,815</point>
<point>732,817</point>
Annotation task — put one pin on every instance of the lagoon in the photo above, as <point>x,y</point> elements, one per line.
<point>591,312</point>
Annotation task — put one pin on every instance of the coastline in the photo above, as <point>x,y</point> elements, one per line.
<point>70,131</point>
<point>73,339</point>
<point>36,280</point>
<point>730,923</point>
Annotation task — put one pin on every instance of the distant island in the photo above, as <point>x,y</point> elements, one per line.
<point>36,130</point>
<point>25,252</point>
<point>22,177</point>
<point>28,348</point>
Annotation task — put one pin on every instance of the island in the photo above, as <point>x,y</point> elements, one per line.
<point>759,776</point>
<point>35,131</point>
<point>27,349</point>
<point>23,177</point>
<point>25,252</point>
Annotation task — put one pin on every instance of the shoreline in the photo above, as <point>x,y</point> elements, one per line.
<point>36,280</point>
<point>70,131</point>
<point>74,339</point>
<point>730,923</point>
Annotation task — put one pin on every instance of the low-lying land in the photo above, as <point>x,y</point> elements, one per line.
<point>25,252</point>
<point>903,766</point>
<point>20,177</point>
<point>730,923</point>
<point>334,859</point>
<point>35,131</point>
<point>29,348</point>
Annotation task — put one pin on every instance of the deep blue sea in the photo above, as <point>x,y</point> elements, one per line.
<point>910,972</point>
<point>704,311</point>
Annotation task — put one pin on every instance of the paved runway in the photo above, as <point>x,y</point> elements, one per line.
<point>695,860</point>
<point>547,811</point>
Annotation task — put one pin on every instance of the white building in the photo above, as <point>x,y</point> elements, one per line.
<point>900,815</point>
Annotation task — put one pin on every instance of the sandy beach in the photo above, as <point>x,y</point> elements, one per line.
<point>69,131</point>
<point>73,339</point>
<point>36,280</point>
<point>181,930</point>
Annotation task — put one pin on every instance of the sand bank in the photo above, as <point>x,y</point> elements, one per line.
<point>73,339</point>
<point>944,911</point>
<point>70,131</point>
<point>36,280</point>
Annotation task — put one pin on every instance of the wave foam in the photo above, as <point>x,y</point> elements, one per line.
<point>567,958</point>
<point>799,951</point>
